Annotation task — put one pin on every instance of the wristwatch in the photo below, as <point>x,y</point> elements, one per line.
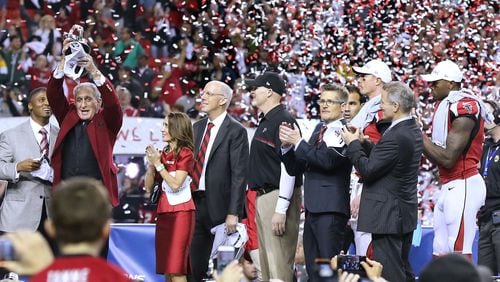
<point>160,167</point>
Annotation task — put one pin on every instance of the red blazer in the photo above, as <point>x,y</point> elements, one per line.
<point>102,131</point>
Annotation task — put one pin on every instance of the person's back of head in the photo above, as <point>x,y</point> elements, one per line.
<point>450,268</point>
<point>80,211</point>
<point>485,274</point>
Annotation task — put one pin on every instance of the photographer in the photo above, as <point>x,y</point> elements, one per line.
<point>89,126</point>
<point>372,268</point>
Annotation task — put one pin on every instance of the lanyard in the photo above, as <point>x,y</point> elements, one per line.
<point>488,158</point>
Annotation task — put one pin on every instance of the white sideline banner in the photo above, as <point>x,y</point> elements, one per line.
<point>137,132</point>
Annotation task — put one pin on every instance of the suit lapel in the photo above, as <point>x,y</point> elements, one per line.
<point>199,135</point>
<point>314,135</point>
<point>69,122</point>
<point>53,138</point>
<point>28,131</point>
<point>219,138</point>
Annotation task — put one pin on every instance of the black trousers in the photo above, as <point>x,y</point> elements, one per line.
<point>41,228</point>
<point>392,251</point>
<point>489,246</point>
<point>323,238</point>
<point>201,245</point>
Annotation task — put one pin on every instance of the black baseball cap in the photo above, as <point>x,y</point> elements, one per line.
<point>269,79</point>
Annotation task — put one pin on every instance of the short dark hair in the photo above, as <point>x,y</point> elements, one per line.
<point>80,209</point>
<point>354,89</point>
<point>450,268</point>
<point>342,93</point>
<point>34,92</point>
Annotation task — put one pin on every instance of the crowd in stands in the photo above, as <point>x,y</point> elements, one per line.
<point>162,53</point>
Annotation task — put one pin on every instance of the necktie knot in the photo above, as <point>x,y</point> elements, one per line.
<point>43,131</point>
<point>209,126</point>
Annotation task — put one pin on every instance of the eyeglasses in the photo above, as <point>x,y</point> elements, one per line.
<point>329,102</point>
<point>210,94</point>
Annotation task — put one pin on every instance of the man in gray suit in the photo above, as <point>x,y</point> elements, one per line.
<point>24,154</point>
<point>388,207</point>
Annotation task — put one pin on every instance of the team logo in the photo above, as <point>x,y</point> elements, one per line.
<point>468,107</point>
<point>496,159</point>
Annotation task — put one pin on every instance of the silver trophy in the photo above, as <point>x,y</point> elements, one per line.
<point>77,49</point>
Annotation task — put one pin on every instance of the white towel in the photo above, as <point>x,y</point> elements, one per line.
<point>237,239</point>
<point>179,196</point>
<point>440,123</point>
<point>367,113</point>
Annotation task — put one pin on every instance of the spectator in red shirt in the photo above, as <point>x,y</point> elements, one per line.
<point>81,217</point>
<point>40,72</point>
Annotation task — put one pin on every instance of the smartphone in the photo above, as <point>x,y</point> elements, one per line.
<point>351,264</point>
<point>7,251</point>
<point>323,268</point>
<point>225,254</point>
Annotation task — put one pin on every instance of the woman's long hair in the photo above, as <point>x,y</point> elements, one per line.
<point>181,130</point>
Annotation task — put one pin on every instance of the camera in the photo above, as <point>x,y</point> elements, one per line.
<point>323,268</point>
<point>7,251</point>
<point>225,254</point>
<point>351,264</point>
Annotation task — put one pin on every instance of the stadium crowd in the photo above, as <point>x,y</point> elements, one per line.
<point>160,55</point>
<point>164,52</point>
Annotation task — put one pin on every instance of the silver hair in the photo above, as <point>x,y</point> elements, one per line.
<point>398,92</point>
<point>88,85</point>
<point>225,90</point>
<point>342,92</point>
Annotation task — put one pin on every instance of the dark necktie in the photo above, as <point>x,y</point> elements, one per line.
<point>320,135</point>
<point>200,158</point>
<point>44,143</point>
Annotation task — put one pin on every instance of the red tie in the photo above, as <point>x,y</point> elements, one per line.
<point>320,135</point>
<point>200,159</point>
<point>44,143</point>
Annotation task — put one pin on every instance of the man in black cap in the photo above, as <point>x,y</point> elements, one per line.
<point>278,201</point>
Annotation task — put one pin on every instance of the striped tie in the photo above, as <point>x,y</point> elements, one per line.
<point>320,135</point>
<point>200,159</point>
<point>44,143</point>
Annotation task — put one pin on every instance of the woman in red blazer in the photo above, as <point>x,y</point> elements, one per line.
<point>176,211</point>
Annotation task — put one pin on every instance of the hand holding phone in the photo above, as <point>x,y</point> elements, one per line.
<point>351,264</point>
<point>323,267</point>
<point>7,251</point>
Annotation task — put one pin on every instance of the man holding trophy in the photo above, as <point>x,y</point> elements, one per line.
<point>90,124</point>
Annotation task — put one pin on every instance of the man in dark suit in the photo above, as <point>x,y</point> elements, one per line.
<point>221,155</point>
<point>89,127</point>
<point>388,207</point>
<point>327,176</point>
